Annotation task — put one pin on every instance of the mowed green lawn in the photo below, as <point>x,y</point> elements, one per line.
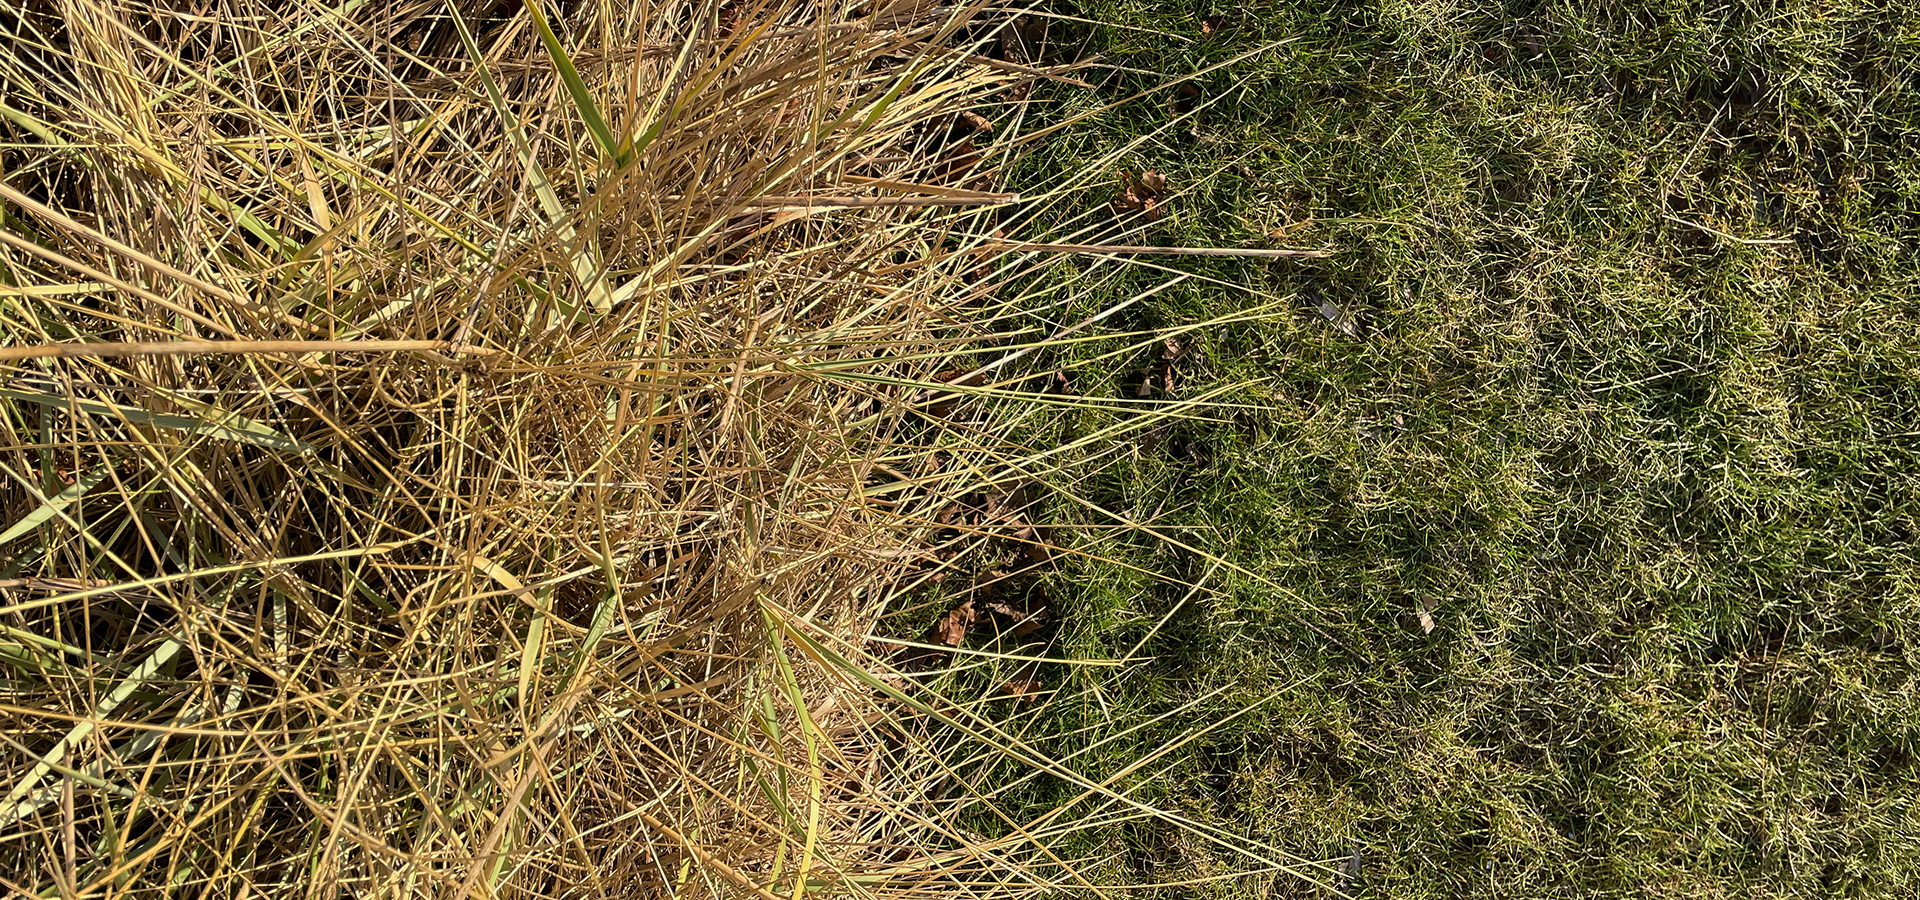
<point>1616,368</point>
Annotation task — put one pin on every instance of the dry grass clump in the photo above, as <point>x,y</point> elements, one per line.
<point>473,452</point>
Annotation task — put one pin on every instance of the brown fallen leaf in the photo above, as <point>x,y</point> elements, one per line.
<point>957,161</point>
<point>1162,372</point>
<point>1027,617</point>
<point>1143,194</point>
<point>1184,99</point>
<point>1025,684</point>
<point>1010,505</point>
<point>955,377</point>
<point>951,630</point>
<point>1184,103</point>
<point>1424,607</point>
<point>1350,872</point>
<point>1038,549</point>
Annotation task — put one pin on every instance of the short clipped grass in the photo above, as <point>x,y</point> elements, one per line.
<point>1632,401</point>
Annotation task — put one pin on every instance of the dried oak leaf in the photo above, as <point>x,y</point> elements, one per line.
<point>1036,544</point>
<point>951,630</point>
<point>1010,505</point>
<point>955,377</point>
<point>957,161</point>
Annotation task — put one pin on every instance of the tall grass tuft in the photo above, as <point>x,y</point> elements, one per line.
<point>463,449</point>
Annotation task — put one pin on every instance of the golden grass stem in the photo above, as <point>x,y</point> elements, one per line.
<point>230,348</point>
<point>830,202</point>
<point>1130,250</point>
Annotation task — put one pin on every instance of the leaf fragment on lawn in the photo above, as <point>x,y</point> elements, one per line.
<point>1027,617</point>
<point>951,630</point>
<point>1025,684</point>
<point>1142,194</point>
<point>1350,872</point>
<point>1340,318</point>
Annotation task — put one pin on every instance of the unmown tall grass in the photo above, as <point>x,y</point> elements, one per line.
<point>467,449</point>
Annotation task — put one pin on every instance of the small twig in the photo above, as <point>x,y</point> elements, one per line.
<point>1119,249</point>
<point>229,348</point>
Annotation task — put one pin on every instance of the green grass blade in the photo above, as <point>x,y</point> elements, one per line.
<point>582,259</point>
<point>19,802</point>
<point>50,507</point>
<point>576,87</point>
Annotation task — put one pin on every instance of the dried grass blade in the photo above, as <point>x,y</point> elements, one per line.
<point>219,423</point>
<point>1129,250</point>
<point>112,349</point>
